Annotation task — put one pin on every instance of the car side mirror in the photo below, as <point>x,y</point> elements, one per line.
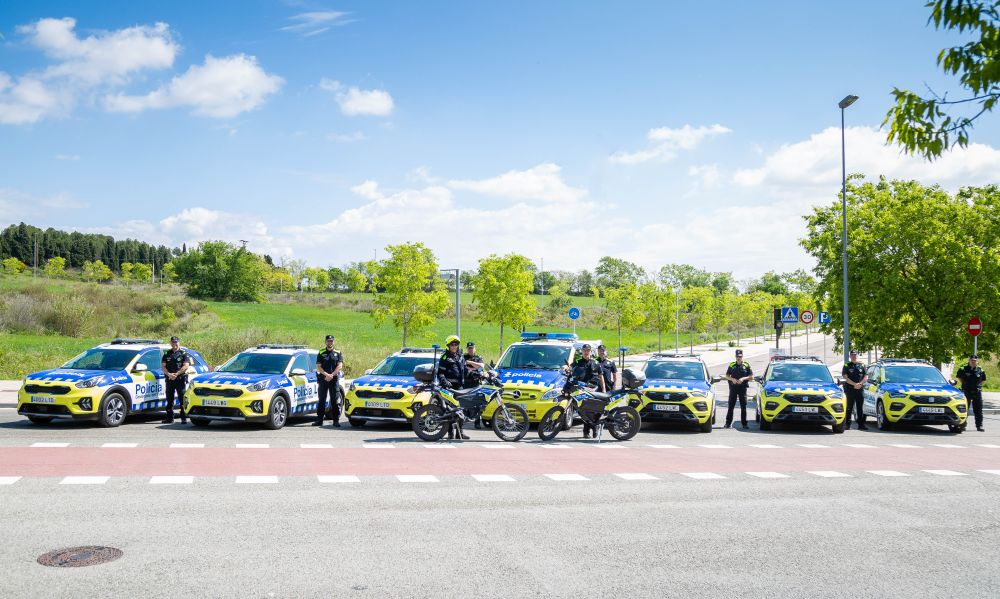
<point>368,370</point>
<point>298,372</point>
<point>953,382</point>
<point>759,379</point>
<point>839,380</point>
<point>140,368</point>
<point>492,365</point>
<point>719,378</point>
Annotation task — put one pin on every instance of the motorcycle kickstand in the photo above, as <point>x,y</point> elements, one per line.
<point>600,432</point>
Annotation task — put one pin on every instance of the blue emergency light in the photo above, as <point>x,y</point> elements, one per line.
<point>533,336</point>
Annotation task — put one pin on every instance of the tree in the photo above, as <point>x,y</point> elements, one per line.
<point>583,283</point>
<point>142,272</point>
<point>921,263</point>
<point>13,266</point>
<point>55,267</point>
<point>220,271</point>
<point>169,272</point>
<point>930,125</point>
<point>770,282</point>
<point>659,309</point>
<point>126,270</point>
<point>338,280</point>
<point>623,308</point>
<point>613,273</point>
<point>296,268</point>
<point>696,303</point>
<point>502,288</point>
<point>684,275</point>
<point>356,280</point>
<point>411,292</point>
<point>720,312</point>
<point>96,271</point>
<point>279,281</point>
<point>559,301</point>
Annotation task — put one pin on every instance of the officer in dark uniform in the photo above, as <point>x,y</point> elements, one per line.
<point>855,378</point>
<point>609,370</point>
<point>329,365</point>
<point>473,362</point>
<point>588,370</point>
<point>972,378</point>
<point>452,372</point>
<point>739,374</point>
<point>175,364</point>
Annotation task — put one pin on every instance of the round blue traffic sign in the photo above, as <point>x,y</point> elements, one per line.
<point>574,313</point>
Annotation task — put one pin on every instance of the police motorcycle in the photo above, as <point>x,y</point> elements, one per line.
<point>449,408</point>
<point>597,410</point>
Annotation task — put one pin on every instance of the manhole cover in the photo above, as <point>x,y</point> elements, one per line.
<point>76,557</point>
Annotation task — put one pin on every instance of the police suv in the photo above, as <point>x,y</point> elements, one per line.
<point>105,383</point>
<point>910,391</point>
<point>386,393</point>
<point>268,383</point>
<point>678,389</point>
<point>799,389</point>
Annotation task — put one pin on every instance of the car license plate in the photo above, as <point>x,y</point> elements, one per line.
<point>806,409</point>
<point>42,399</point>
<point>215,402</point>
<point>666,407</point>
<point>932,410</point>
<point>376,404</point>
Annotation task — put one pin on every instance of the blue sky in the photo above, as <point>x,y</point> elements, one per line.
<point>654,131</point>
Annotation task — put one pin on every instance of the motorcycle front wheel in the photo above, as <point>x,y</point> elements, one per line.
<point>551,423</point>
<point>428,423</point>
<point>624,423</point>
<point>510,422</point>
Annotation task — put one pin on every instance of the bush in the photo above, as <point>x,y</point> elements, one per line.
<point>69,317</point>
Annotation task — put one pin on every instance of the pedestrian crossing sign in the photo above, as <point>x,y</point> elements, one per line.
<point>789,314</point>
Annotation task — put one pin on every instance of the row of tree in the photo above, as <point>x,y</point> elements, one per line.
<point>34,246</point>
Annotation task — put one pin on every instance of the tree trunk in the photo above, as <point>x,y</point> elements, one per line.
<point>501,337</point>
<point>716,337</point>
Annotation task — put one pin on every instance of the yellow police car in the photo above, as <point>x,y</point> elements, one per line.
<point>531,371</point>
<point>105,383</point>
<point>911,391</point>
<point>800,390</point>
<point>386,393</point>
<point>269,384</point>
<point>678,389</point>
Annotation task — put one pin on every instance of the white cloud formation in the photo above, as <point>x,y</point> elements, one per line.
<point>707,175</point>
<point>543,182</point>
<point>219,88</point>
<point>355,101</point>
<point>667,143</point>
<point>16,205</point>
<point>308,24</point>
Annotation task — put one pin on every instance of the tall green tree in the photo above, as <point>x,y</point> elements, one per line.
<point>355,280</point>
<point>720,311</point>
<point>410,292</point>
<point>930,124</point>
<point>220,271</point>
<point>612,273</point>
<point>623,308</point>
<point>921,264</point>
<point>659,308</point>
<point>696,306</point>
<point>684,275</point>
<point>55,267</point>
<point>501,289</point>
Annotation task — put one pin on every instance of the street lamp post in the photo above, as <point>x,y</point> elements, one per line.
<point>677,319</point>
<point>847,101</point>
<point>458,299</point>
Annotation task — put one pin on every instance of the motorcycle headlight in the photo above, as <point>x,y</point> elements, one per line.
<point>87,384</point>
<point>551,395</point>
<point>257,386</point>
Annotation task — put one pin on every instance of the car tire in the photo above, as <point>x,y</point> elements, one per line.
<point>40,419</point>
<point>707,426</point>
<point>112,411</point>
<point>956,428</point>
<point>881,418</point>
<point>838,428</point>
<point>356,423</point>
<point>277,414</point>
<point>201,422</point>
<point>764,424</point>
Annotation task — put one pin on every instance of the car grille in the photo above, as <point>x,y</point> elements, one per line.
<point>665,396</point>
<point>650,413</point>
<point>794,398</point>
<point>929,399</point>
<point>43,408</point>
<point>790,415</point>
<point>369,394</point>
<point>210,411</point>
<point>379,412</point>
<point>208,392</point>
<point>53,390</point>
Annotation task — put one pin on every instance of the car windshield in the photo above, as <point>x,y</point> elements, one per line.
<point>100,358</point>
<point>545,357</point>
<point>685,371</point>
<point>800,373</point>
<point>927,375</point>
<point>400,365</point>
<point>255,363</point>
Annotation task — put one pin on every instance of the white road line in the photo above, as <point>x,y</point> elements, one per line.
<point>665,446</point>
<point>766,446</point>
<point>829,474</point>
<point>9,480</point>
<point>378,446</point>
<point>252,445</point>
<point>997,472</point>
<point>84,480</point>
<point>315,446</point>
<point>50,444</point>
<point>904,446</point>
<point>768,474</point>
<point>945,473</point>
<point>716,446</point>
<point>256,480</point>
<point>703,475</point>
<point>567,477</point>
<point>887,473</point>
<point>417,478</point>
<point>171,480</point>
<point>493,478</point>
<point>123,445</point>
<point>186,445</point>
<point>438,446</point>
<point>635,476</point>
<point>495,445</point>
<point>338,478</point>
<point>859,446</point>
<point>988,445</point>
<point>813,445</point>
<point>606,445</point>
<point>550,446</point>
<point>948,445</point>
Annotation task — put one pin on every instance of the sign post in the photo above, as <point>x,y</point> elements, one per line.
<point>807,317</point>
<point>824,318</point>
<point>975,327</point>
<point>790,315</point>
<point>574,313</point>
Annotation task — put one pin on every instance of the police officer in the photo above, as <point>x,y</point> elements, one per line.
<point>473,363</point>
<point>972,378</point>
<point>452,372</point>
<point>329,365</point>
<point>739,374</point>
<point>609,370</point>
<point>588,370</point>
<point>855,378</point>
<point>175,364</point>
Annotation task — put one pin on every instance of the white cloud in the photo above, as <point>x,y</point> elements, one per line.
<point>16,205</point>
<point>219,88</point>
<point>355,101</point>
<point>308,24</point>
<point>707,175</point>
<point>543,182</point>
<point>667,143</point>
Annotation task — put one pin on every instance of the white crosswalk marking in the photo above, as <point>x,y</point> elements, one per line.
<point>417,478</point>
<point>550,446</point>
<point>665,446</point>
<point>338,478</point>
<point>567,477</point>
<point>50,444</point>
<point>608,446</point>
<point>635,476</point>
<point>378,446</point>
<point>315,446</point>
<point>438,446</point>
<point>703,475</point>
<point>813,445</point>
<point>945,473</point>
<point>493,478</point>
<point>84,480</point>
<point>252,445</point>
<point>948,445</point>
<point>988,445</point>
<point>9,480</point>
<point>171,480</point>
<point>122,445</point>
<point>887,473</point>
<point>997,472</point>
<point>186,445</point>
<point>829,474</point>
<point>766,446</point>
<point>500,445</point>
<point>716,446</point>
<point>904,445</point>
<point>768,474</point>
<point>256,480</point>
<point>859,446</point>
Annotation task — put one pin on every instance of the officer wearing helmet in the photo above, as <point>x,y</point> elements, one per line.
<point>452,372</point>
<point>589,371</point>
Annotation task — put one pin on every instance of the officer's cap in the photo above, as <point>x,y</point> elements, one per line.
<point>175,339</point>
<point>586,346</point>
<point>739,353</point>
<point>601,346</point>
<point>329,337</point>
<point>854,352</point>
<point>470,344</point>
<point>974,357</point>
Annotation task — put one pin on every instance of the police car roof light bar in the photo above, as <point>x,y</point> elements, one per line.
<point>417,350</point>
<point>135,341</point>
<point>905,360</point>
<point>279,346</point>
<point>810,358</point>
<point>534,336</point>
<point>675,355</point>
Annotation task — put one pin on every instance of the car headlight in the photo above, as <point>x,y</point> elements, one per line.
<point>551,395</point>
<point>91,382</point>
<point>698,393</point>
<point>353,386</point>
<point>897,394</point>
<point>257,386</point>
<point>837,395</point>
